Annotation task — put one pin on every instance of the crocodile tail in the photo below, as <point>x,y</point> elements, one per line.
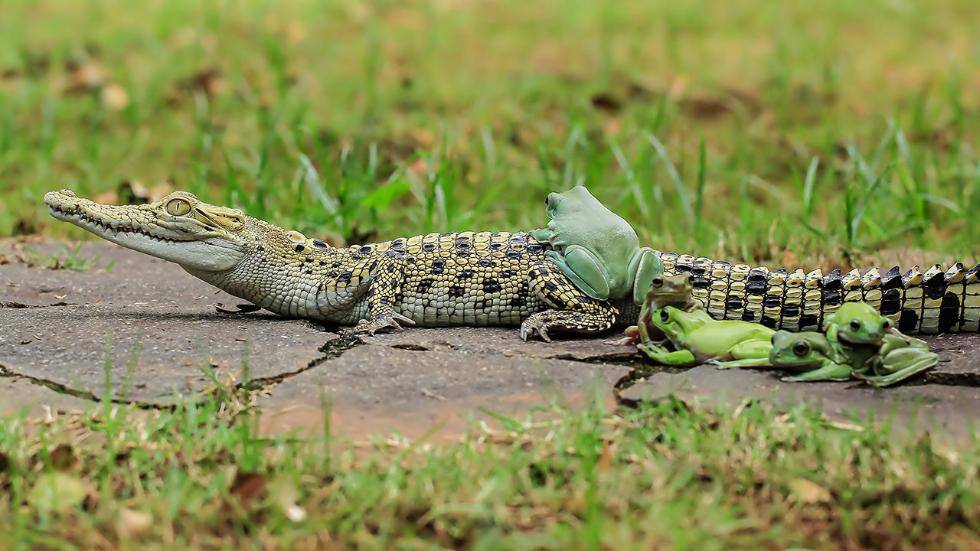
<point>937,301</point>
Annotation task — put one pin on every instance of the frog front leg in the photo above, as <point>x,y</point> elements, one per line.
<point>660,355</point>
<point>584,269</point>
<point>543,235</point>
<point>828,371</point>
<point>747,354</point>
<point>643,268</point>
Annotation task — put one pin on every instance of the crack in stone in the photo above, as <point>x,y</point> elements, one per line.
<point>639,370</point>
<point>9,304</point>
<point>968,380</point>
<point>333,348</point>
<point>61,388</point>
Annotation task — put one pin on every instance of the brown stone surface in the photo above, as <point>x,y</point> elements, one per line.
<point>22,396</point>
<point>943,408</point>
<point>159,323</point>
<point>379,388</point>
<point>54,326</point>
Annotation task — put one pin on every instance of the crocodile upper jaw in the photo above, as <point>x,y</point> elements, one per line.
<point>134,228</point>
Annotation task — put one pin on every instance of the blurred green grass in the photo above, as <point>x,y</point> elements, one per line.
<point>667,475</point>
<point>832,129</point>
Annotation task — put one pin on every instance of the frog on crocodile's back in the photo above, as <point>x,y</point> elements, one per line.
<point>596,248</point>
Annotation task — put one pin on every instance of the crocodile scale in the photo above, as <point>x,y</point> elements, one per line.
<point>488,278</point>
<point>937,301</point>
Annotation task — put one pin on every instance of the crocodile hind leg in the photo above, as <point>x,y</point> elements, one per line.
<point>572,311</point>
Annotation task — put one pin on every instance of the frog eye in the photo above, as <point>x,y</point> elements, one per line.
<point>887,324</point>
<point>178,207</point>
<point>855,324</point>
<point>657,282</point>
<point>664,316</point>
<point>801,348</point>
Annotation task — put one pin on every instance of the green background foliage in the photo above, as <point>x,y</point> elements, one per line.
<point>741,129</point>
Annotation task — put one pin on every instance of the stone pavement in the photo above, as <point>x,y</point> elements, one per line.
<point>158,332</point>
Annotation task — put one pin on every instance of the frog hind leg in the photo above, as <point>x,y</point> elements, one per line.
<point>660,355</point>
<point>645,266</point>
<point>913,367</point>
<point>747,354</point>
<point>584,269</point>
<point>829,371</point>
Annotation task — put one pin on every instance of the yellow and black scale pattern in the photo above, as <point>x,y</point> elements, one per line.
<point>937,301</point>
<point>444,279</point>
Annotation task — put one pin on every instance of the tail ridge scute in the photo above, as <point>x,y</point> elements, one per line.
<point>935,301</point>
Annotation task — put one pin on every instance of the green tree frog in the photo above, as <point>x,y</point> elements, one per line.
<point>597,249</point>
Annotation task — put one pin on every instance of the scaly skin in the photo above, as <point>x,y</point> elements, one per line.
<point>432,280</point>
<point>482,278</point>
<point>929,303</point>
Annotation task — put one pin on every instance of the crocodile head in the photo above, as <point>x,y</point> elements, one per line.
<point>179,228</point>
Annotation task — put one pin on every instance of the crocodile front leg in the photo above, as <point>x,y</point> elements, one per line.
<point>386,275</point>
<point>572,311</point>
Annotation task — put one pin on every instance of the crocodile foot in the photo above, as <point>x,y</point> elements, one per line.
<point>382,322</point>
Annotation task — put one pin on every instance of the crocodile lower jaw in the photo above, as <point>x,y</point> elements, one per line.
<point>205,255</point>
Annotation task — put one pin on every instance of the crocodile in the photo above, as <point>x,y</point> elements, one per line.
<point>487,278</point>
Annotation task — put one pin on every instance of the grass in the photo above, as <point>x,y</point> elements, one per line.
<point>665,475</point>
<point>785,133</point>
<point>744,131</point>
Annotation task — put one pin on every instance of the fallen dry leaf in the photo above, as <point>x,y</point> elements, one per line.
<point>604,101</point>
<point>57,492</point>
<point>87,75</point>
<point>132,524</point>
<point>63,457</point>
<point>284,495</point>
<point>248,487</point>
<point>114,97</point>
<point>807,491</point>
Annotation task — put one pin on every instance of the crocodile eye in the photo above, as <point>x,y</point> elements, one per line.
<point>178,207</point>
<point>801,348</point>
<point>855,325</point>
<point>657,282</point>
<point>664,316</point>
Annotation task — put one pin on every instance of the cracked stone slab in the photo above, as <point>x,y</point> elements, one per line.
<point>376,388</point>
<point>158,322</point>
<point>958,354</point>
<point>951,410</point>
<point>21,396</point>
<point>505,342</point>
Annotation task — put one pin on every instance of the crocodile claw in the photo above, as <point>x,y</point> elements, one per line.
<point>531,327</point>
<point>382,322</point>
